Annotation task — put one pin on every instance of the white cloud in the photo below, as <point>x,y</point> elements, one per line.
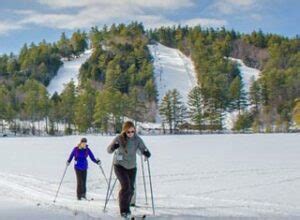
<point>99,12</point>
<point>232,6</point>
<point>164,4</point>
<point>7,26</point>
<point>88,13</point>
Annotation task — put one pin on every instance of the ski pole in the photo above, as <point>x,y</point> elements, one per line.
<point>153,209</point>
<point>102,170</point>
<point>60,183</point>
<point>108,188</point>
<point>103,173</point>
<point>144,179</point>
<point>112,190</point>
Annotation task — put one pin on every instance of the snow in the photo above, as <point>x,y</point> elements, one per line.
<point>172,70</point>
<point>194,176</point>
<point>69,71</point>
<point>248,74</point>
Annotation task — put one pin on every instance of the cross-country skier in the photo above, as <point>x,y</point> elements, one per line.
<point>80,154</point>
<point>126,146</point>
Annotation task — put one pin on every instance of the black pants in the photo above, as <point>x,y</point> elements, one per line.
<point>127,179</point>
<point>81,183</point>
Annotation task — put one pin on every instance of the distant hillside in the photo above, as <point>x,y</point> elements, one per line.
<point>118,80</point>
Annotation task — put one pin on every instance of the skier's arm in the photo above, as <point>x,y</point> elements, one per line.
<point>142,147</point>
<point>113,145</point>
<point>71,156</point>
<point>91,155</point>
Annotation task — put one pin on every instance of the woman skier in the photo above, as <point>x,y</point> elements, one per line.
<point>125,147</point>
<point>80,154</point>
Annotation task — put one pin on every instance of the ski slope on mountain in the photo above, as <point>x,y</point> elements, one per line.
<point>248,74</point>
<point>69,71</point>
<point>194,177</point>
<point>172,70</point>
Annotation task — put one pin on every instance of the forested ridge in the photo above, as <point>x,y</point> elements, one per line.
<point>117,81</point>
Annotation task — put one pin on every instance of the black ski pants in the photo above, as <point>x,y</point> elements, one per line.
<point>81,183</point>
<point>126,178</point>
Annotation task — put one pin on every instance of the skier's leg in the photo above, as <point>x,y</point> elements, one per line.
<point>79,183</point>
<point>132,177</point>
<point>84,174</point>
<point>133,198</point>
<point>125,192</point>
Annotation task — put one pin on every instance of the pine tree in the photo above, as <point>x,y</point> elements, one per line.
<point>64,46</point>
<point>101,114</point>
<point>79,42</point>
<point>84,108</point>
<point>68,99</point>
<point>296,113</point>
<point>178,108</point>
<point>195,102</point>
<point>4,99</point>
<point>254,95</point>
<point>237,95</point>
<point>172,110</point>
<point>35,102</point>
<point>55,113</point>
<point>136,108</point>
<point>166,111</point>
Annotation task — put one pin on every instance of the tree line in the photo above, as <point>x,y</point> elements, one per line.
<point>273,97</point>
<point>117,81</point>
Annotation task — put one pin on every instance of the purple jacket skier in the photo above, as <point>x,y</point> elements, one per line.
<point>80,154</point>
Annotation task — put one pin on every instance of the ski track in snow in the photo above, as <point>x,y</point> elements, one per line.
<point>69,71</point>
<point>221,176</point>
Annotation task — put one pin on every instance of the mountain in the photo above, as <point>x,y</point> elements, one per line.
<point>121,77</point>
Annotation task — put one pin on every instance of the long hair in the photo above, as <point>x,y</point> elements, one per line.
<point>81,141</point>
<point>125,128</point>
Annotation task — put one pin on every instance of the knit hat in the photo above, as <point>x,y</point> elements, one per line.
<point>83,140</point>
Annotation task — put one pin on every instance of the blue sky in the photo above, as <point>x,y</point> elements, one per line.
<point>26,21</point>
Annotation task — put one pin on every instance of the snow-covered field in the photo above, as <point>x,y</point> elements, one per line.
<point>69,71</point>
<point>208,176</point>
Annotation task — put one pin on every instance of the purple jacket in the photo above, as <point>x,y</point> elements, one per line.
<point>80,156</point>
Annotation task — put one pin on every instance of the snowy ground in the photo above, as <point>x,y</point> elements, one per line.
<point>67,72</point>
<point>208,176</point>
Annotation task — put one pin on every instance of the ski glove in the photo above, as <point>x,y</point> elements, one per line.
<point>147,153</point>
<point>98,161</point>
<point>116,145</point>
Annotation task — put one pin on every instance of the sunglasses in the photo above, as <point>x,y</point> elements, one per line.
<point>130,132</point>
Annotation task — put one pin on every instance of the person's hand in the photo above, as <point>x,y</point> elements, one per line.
<point>147,153</point>
<point>98,161</point>
<point>67,163</point>
<point>116,145</point>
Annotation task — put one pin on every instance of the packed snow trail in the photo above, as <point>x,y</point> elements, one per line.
<point>172,70</point>
<point>248,74</point>
<point>69,71</point>
<point>207,176</point>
